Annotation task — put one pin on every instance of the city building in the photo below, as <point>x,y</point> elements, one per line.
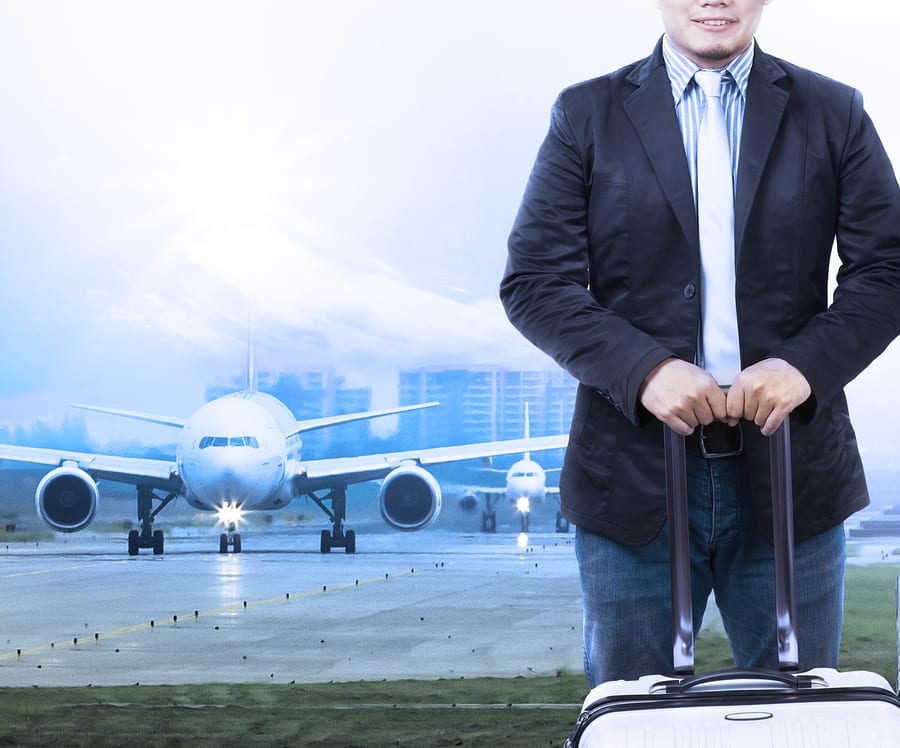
<point>487,404</point>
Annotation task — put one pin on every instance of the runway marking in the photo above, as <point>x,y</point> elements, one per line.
<point>243,605</point>
<point>39,572</point>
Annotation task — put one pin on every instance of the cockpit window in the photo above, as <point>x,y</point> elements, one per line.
<point>229,441</point>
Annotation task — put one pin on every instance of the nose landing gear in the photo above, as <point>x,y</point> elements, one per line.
<point>230,539</point>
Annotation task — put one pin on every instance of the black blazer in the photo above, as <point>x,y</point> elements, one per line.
<point>604,275</point>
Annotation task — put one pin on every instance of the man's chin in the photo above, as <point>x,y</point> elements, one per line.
<point>714,57</point>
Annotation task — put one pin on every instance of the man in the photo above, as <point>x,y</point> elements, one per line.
<point>666,315</point>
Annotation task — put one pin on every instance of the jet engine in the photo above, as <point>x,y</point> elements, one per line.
<point>410,498</point>
<point>468,502</point>
<point>67,499</point>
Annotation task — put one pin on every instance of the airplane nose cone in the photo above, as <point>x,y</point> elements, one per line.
<point>228,485</point>
<point>220,476</point>
<point>216,484</point>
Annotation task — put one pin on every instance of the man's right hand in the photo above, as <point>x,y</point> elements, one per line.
<point>683,395</point>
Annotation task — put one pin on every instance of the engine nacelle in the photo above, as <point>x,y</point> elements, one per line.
<point>67,498</point>
<point>468,502</point>
<point>410,498</point>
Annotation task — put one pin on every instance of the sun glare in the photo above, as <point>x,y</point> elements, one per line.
<point>227,186</point>
<point>228,192</point>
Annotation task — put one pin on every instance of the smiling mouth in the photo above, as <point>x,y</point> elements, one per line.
<point>714,22</point>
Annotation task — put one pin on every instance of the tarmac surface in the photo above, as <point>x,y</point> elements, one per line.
<point>78,610</point>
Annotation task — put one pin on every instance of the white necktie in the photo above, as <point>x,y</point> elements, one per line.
<point>715,212</point>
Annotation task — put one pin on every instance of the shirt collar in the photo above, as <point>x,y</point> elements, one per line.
<point>681,70</point>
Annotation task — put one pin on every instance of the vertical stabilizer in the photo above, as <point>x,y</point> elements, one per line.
<point>252,384</point>
<point>527,429</point>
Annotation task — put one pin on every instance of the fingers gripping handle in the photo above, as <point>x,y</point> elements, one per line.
<point>679,550</point>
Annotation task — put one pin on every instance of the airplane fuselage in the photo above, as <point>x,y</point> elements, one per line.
<point>526,482</point>
<point>234,451</point>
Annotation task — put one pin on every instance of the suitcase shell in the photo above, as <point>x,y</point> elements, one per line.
<point>836,710</point>
<point>821,708</point>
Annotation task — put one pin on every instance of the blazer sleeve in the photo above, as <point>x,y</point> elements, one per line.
<point>864,315</point>
<point>546,287</point>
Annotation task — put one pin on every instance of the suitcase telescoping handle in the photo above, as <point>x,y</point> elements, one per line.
<point>679,550</point>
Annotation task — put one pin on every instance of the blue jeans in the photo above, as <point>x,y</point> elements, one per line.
<point>626,590</point>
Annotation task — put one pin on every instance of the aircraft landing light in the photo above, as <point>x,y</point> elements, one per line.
<point>230,516</point>
<point>523,504</point>
<point>522,540</point>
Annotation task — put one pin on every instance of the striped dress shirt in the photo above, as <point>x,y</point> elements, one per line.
<point>690,102</point>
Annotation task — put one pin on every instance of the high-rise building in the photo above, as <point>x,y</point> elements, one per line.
<point>487,404</point>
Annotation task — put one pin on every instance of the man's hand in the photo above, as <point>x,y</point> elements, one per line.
<point>682,396</point>
<point>766,393</point>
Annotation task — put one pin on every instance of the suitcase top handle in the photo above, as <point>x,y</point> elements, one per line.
<point>679,553</point>
<point>760,678</point>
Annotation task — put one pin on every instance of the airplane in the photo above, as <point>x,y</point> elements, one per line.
<point>242,452</point>
<point>526,486</point>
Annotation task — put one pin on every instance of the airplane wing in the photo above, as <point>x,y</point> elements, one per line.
<point>487,490</point>
<point>132,470</point>
<point>136,415</point>
<point>321,473</point>
<point>302,426</point>
<point>318,423</point>
<point>501,490</point>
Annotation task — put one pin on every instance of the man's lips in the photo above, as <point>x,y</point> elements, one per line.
<point>714,23</point>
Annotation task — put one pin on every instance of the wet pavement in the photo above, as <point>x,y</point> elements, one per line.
<point>78,610</point>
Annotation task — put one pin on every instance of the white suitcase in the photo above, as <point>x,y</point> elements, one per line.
<point>821,708</point>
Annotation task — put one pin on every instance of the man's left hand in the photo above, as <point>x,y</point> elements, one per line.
<point>766,393</point>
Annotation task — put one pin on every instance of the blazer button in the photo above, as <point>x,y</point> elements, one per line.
<point>689,291</point>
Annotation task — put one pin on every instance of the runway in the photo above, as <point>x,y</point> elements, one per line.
<point>428,605</point>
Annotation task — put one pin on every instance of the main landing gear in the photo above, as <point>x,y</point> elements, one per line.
<point>489,514</point>
<point>147,537</point>
<point>489,520</point>
<point>337,513</point>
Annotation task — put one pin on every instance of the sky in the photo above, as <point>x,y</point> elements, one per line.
<point>353,165</point>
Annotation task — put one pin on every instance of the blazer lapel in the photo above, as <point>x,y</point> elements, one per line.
<point>652,112</point>
<point>766,103</point>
